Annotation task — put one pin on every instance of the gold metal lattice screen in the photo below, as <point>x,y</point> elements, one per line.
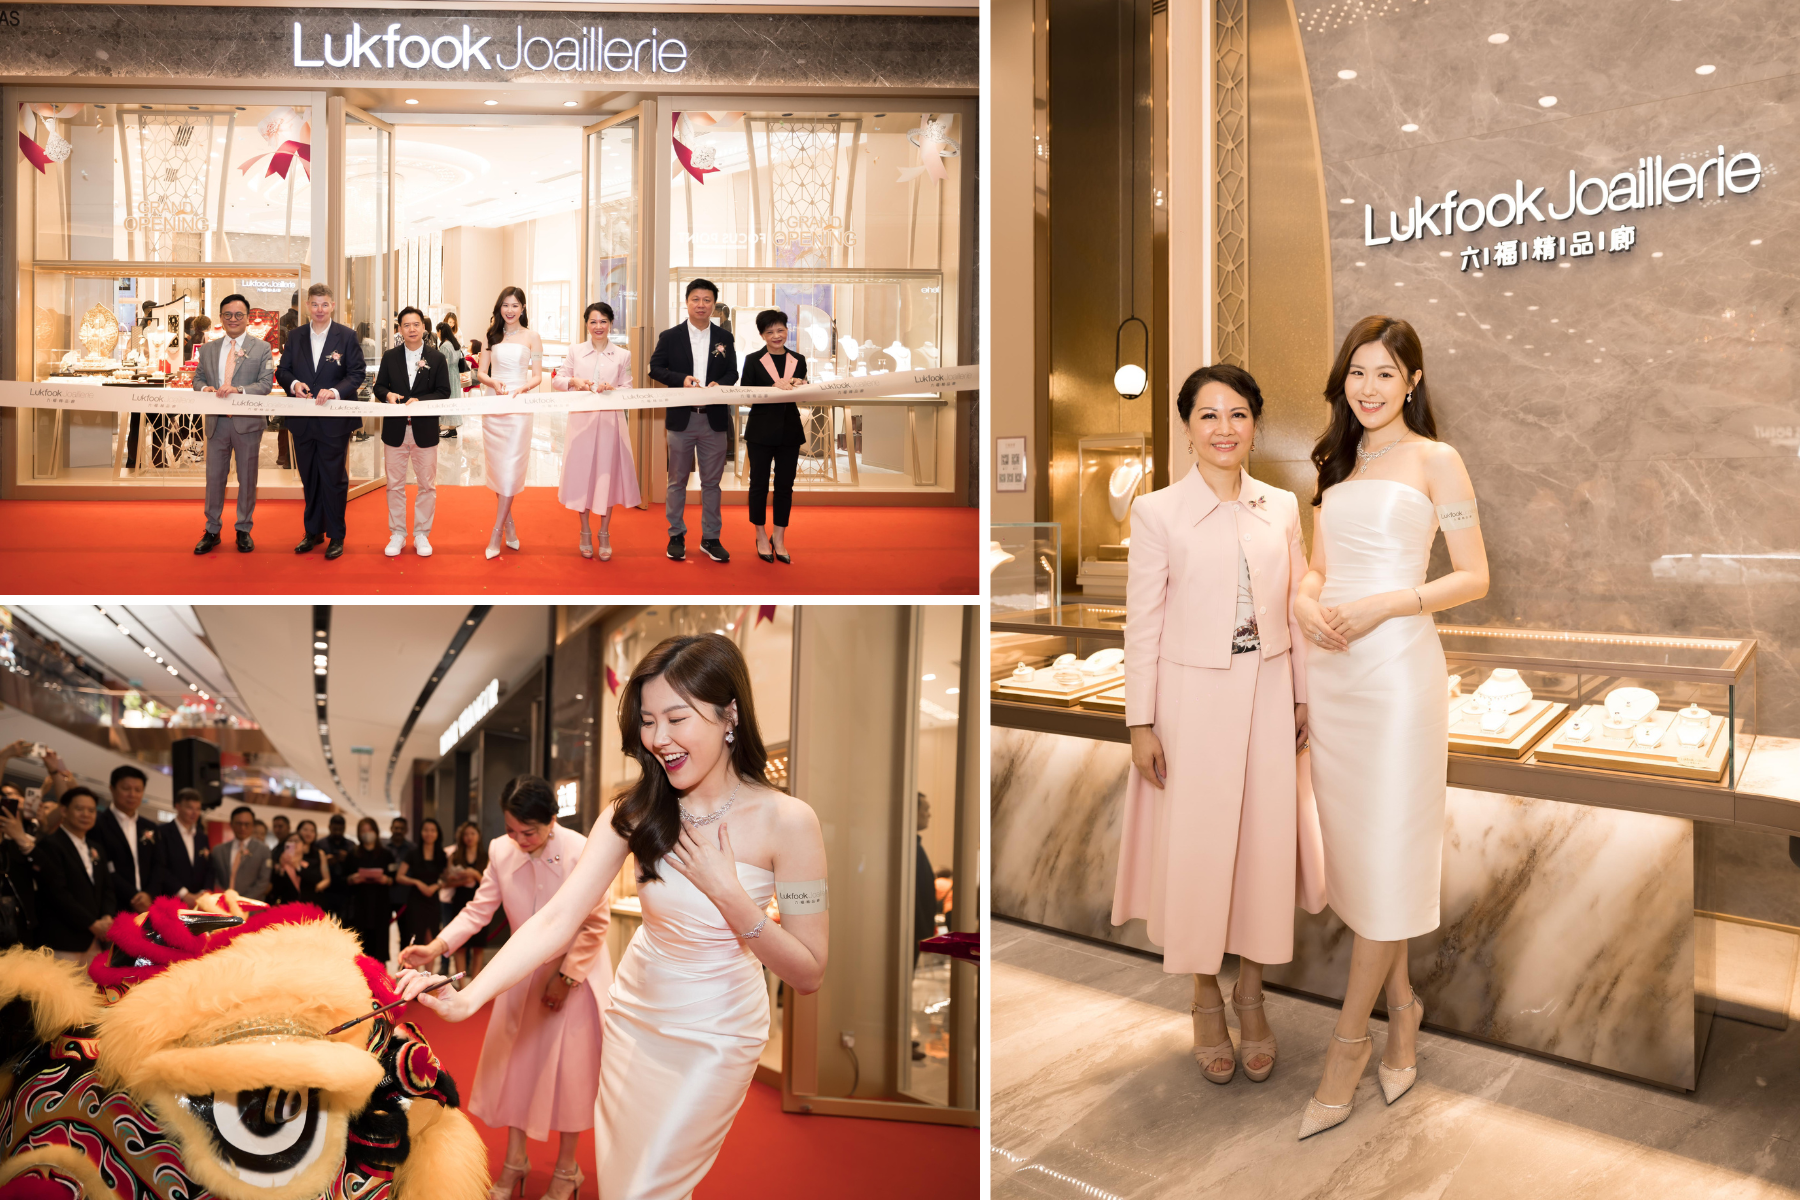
<point>1231,183</point>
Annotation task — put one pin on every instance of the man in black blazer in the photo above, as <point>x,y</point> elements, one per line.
<point>125,838</point>
<point>179,865</point>
<point>74,884</point>
<point>323,361</point>
<point>696,353</point>
<point>411,371</point>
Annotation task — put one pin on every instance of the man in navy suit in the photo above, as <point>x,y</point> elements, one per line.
<point>696,353</point>
<point>323,361</point>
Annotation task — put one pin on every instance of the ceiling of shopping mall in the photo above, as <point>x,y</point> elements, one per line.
<point>380,658</point>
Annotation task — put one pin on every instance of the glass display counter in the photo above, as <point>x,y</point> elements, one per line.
<point>1022,566</point>
<point>1114,471</point>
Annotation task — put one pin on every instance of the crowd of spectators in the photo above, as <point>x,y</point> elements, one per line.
<point>69,864</point>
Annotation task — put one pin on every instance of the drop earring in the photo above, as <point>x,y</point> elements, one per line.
<point>728,738</point>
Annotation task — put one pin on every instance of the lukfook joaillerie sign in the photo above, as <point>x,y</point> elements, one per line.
<point>1651,184</point>
<point>396,50</point>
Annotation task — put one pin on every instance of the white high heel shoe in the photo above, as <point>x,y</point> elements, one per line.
<point>1396,1081</point>
<point>605,547</point>
<point>512,535</point>
<point>1320,1116</point>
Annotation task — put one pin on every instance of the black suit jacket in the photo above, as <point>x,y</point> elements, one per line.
<point>673,362</point>
<point>393,387</point>
<point>68,901</point>
<point>346,374</point>
<point>107,835</point>
<point>170,870</point>
<point>773,424</point>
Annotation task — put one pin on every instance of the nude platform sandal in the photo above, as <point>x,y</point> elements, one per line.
<point>1249,1049</point>
<point>1204,1055</point>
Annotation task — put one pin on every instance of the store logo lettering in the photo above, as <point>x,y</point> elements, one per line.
<point>1650,185</point>
<point>592,51</point>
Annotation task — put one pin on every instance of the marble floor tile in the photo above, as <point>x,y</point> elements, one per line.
<point>1097,1096</point>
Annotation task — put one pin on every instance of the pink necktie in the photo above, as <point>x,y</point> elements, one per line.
<point>237,856</point>
<point>231,359</point>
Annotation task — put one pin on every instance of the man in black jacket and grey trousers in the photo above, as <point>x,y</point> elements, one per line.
<point>411,371</point>
<point>696,354</point>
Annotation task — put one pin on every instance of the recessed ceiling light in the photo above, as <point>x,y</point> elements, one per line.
<point>410,100</point>
<point>1498,39</point>
<point>1705,69</point>
<point>569,104</point>
<point>1756,241</point>
<point>1346,74</point>
<point>490,103</point>
<point>1347,200</point>
<point>1543,101</point>
<point>1409,127</point>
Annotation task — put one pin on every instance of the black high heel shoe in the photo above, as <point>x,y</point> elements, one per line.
<point>768,557</point>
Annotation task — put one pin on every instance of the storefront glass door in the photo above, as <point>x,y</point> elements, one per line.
<point>615,239</point>
<point>365,302</point>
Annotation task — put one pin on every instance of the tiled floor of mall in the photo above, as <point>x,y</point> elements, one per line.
<point>1096,1096</point>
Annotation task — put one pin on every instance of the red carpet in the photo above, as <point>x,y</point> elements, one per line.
<point>769,1154</point>
<point>146,547</point>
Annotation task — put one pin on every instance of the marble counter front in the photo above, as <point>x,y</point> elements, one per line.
<point>1568,929</point>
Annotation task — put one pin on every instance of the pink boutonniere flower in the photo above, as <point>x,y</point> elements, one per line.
<point>718,351</point>
<point>336,356</point>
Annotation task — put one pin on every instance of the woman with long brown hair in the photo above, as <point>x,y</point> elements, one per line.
<point>688,1014</point>
<point>510,366</point>
<point>1376,681</point>
<point>468,865</point>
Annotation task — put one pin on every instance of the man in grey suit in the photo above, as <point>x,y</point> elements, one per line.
<point>242,863</point>
<point>235,363</point>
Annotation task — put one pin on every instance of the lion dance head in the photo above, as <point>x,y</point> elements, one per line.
<point>196,1063</point>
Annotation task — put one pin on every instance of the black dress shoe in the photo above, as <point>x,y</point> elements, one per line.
<point>335,549</point>
<point>308,542</point>
<point>245,545</point>
<point>206,543</point>
<point>716,551</point>
<point>677,548</point>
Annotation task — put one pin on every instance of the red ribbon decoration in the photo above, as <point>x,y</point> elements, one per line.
<point>34,152</point>
<point>684,154</point>
<point>282,158</point>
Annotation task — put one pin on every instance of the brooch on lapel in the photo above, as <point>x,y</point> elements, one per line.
<point>719,351</point>
<point>1259,502</point>
<point>336,356</point>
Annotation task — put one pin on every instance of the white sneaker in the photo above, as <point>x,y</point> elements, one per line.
<point>421,545</point>
<point>394,543</point>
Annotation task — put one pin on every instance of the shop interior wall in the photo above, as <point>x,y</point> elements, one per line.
<point>1098,172</point>
<point>1630,420</point>
<point>1012,249</point>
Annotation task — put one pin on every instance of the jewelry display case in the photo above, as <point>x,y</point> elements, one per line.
<point>1674,707</point>
<point>1082,642</point>
<point>1114,471</point>
<point>1022,558</point>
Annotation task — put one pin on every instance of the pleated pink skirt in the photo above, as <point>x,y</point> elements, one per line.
<point>1209,861</point>
<point>598,471</point>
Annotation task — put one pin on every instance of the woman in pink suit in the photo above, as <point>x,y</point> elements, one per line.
<point>598,471</point>
<point>540,1060</point>
<point>1215,699</point>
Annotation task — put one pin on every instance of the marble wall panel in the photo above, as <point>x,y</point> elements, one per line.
<point>180,44</point>
<point>1631,420</point>
<point>1566,930</point>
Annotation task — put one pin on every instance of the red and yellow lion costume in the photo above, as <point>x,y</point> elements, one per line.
<point>193,1064</point>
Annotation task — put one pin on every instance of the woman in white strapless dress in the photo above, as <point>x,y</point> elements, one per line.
<point>688,1013</point>
<point>509,366</point>
<point>1377,685</point>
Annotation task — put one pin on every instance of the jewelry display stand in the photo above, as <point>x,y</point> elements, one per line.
<point>1667,756</point>
<point>1112,700</point>
<point>1512,740</point>
<point>1042,686</point>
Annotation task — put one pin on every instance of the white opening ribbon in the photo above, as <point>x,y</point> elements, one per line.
<point>77,396</point>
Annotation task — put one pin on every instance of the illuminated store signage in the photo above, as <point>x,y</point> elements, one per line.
<point>392,50</point>
<point>1651,185</point>
<point>471,716</point>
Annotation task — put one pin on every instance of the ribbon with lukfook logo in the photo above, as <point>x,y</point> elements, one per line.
<point>83,396</point>
<point>935,144</point>
<point>54,147</point>
<point>287,132</point>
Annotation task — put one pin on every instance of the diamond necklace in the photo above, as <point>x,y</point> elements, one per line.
<point>1365,457</point>
<point>710,817</point>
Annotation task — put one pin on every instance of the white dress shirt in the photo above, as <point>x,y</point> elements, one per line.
<point>412,361</point>
<point>318,342</point>
<point>128,825</point>
<point>81,851</point>
<point>188,834</point>
<point>701,342</point>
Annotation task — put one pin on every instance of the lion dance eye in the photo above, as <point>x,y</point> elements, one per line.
<point>265,1137</point>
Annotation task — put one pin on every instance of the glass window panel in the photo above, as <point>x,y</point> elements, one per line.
<point>613,258</point>
<point>367,188</point>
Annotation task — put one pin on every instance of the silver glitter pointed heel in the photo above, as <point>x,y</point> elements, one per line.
<point>1319,1116</point>
<point>1395,1081</point>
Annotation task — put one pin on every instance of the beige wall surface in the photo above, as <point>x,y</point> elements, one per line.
<point>1011,273</point>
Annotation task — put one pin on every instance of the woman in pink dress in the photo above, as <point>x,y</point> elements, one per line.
<point>510,367</point>
<point>1215,698</point>
<point>598,471</point>
<point>540,1060</point>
